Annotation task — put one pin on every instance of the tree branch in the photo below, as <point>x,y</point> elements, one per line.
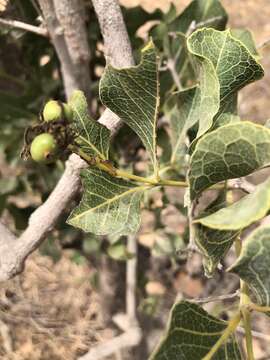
<point>14,252</point>
<point>69,70</point>
<point>117,46</point>
<point>242,184</point>
<point>24,26</point>
<point>71,17</point>
<point>215,298</point>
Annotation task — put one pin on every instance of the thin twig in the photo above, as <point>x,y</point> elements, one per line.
<point>264,44</point>
<point>128,339</point>
<point>254,333</point>
<point>215,298</point>
<point>241,184</point>
<point>171,67</point>
<point>131,279</point>
<point>24,26</point>
<point>6,337</point>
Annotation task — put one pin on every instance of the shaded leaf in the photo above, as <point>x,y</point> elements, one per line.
<point>7,185</point>
<point>201,11</point>
<point>229,152</point>
<point>253,264</point>
<point>185,113</point>
<point>225,119</point>
<point>214,244</point>
<point>109,205</point>
<point>133,94</point>
<point>118,251</point>
<point>93,138</point>
<point>245,36</point>
<point>242,213</point>
<point>191,333</point>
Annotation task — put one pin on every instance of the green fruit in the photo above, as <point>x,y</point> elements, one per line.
<point>52,111</point>
<point>43,148</point>
<point>68,112</point>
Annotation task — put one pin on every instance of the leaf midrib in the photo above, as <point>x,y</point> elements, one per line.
<point>95,149</point>
<point>111,200</point>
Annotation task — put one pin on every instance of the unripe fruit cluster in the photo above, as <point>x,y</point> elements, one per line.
<point>54,111</point>
<point>43,148</point>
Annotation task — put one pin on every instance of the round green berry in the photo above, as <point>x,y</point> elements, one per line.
<point>68,111</point>
<point>52,111</point>
<point>43,148</point>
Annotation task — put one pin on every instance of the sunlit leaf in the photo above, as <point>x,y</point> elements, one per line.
<point>133,94</point>
<point>242,213</point>
<point>214,244</point>
<point>225,61</point>
<point>229,152</point>
<point>93,138</point>
<point>109,205</point>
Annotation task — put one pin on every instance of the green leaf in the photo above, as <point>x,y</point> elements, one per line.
<point>225,119</point>
<point>191,334</point>
<point>229,152</point>
<point>211,12</point>
<point>245,36</point>
<point>253,264</point>
<point>226,67</point>
<point>214,244</point>
<point>194,105</point>
<point>118,251</point>
<point>133,94</point>
<point>199,13</point>
<point>205,104</point>
<point>234,64</point>
<point>242,213</point>
<point>109,205</point>
<point>93,138</point>
<point>7,185</point>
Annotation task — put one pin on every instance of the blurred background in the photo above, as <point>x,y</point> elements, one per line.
<point>55,309</point>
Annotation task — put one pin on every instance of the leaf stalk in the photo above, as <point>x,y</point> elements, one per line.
<point>230,329</point>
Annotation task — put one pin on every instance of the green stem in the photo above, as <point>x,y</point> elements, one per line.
<point>230,329</point>
<point>244,301</point>
<point>108,167</point>
<point>127,175</point>
<point>244,304</point>
<point>173,183</point>
<point>263,309</point>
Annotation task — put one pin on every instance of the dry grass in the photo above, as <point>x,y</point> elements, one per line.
<point>49,312</point>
